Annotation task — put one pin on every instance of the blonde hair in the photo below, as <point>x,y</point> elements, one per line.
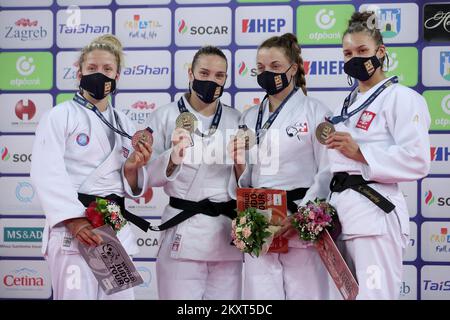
<point>107,42</point>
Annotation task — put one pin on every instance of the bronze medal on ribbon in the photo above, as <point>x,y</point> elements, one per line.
<point>245,133</point>
<point>323,131</point>
<point>142,136</point>
<point>187,121</point>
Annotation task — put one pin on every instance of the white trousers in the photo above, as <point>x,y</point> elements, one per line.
<point>72,279</point>
<point>296,275</point>
<point>182,279</point>
<point>377,261</point>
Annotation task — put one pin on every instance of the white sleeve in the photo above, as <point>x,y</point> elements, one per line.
<point>408,158</point>
<point>142,183</point>
<point>57,195</point>
<point>156,168</point>
<point>321,185</point>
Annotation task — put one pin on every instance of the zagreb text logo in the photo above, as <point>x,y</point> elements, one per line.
<point>25,109</point>
<point>25,29</point>
<point>262,25</point>
<point>440,153</point>
<point>23,277</point>
<point>5,154</point>
<point>445,65</point>
<point>324,67</point>
<point>429,198</point>
<point>24,192</point>
<point>22,234</point>
<point>389,22</point>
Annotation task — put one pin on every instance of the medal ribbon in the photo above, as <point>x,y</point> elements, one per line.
<point>272,117</point>
<point>344,111</point>
<point>214,124</point>
<point>82,101</point>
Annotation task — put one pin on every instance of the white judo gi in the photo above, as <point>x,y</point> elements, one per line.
<point>73,154</point>
<point>392,134</point>
<point>196,259</point>
<point>290,157</point>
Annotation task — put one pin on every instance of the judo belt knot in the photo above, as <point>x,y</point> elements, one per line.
<point>342,181</point>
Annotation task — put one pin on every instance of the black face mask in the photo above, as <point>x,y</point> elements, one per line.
<point>207,91</point>
<point>97,85</point>
<point>273,82</point>
<point>362,68</point>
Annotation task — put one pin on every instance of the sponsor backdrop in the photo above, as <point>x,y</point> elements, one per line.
<point>39,42</point>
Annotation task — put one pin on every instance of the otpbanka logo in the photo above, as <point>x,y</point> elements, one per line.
<point>445,65</point>
<point>182,27</point>
<point>445,104</point>
<point>325,19</point>
<point>25,66</point>
<point>5,154</point>
<point>429,198</point>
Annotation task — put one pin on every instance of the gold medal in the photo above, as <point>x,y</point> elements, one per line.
<point>323,131</point>
<point>245,133</point>
<point>187,121</point>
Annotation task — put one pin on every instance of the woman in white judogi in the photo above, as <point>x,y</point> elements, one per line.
<point>290,158</point>
<point>196,259</point>
<point>76,153</point>
<point>381,139</point>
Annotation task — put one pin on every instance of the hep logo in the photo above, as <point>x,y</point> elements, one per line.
<point>5,154</point>
<point>147,196</point>
<point>439,153</point>
<point>429,198</point>
<point>25,109</point>
<point>243,70</point>
<point>182,27</point>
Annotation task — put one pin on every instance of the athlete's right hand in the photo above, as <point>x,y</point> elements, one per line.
<point>181,140</point>
<point>81,229</point>
<point>236,150</point>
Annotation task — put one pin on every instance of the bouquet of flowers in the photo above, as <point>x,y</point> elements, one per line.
<point>313,218</point>
<point>252,232</point>
<point>102,211</point>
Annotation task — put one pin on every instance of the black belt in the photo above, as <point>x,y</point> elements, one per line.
<point>141,223</point>
<point>191,208</point>
<point>342,181</point>
<point>293,195</point>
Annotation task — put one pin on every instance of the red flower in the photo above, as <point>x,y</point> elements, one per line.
<point>94,217</point>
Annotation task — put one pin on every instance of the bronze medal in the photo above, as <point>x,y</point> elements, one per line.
<point>142,136</point>
<point>323,131</point>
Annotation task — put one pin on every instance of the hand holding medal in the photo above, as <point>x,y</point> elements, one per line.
<point>188,122</point>
<point>246,134</point>
<point>323,131</point>
<point>142,137</point>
